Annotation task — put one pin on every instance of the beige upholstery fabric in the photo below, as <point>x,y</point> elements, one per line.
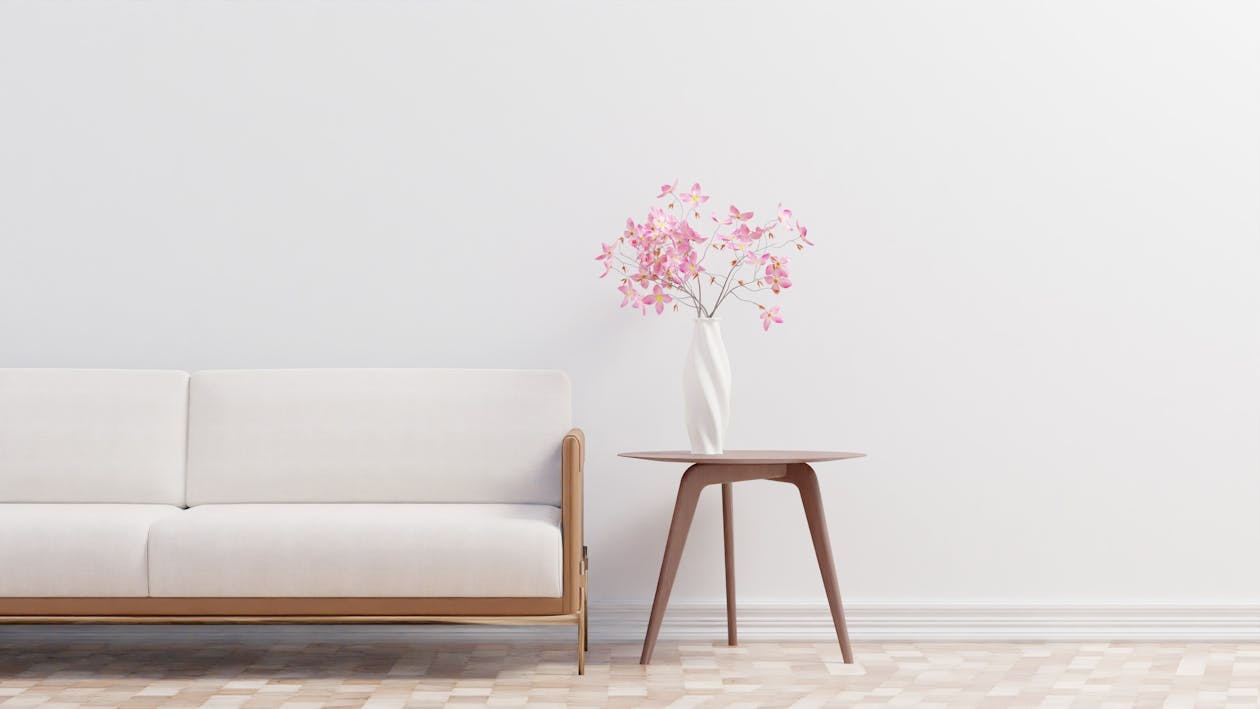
<point>420,550</point>
<point>379,435</point>
<point>76,549</point>
<point>92,435</point>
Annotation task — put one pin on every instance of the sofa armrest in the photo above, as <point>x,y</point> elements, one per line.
<point>572,462</point>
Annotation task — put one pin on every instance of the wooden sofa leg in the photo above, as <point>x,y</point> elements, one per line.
<point>582,641</point>
<point>584,633</point>
<point>586,628</point>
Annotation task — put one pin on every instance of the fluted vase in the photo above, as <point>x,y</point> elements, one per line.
<point>707,388</point>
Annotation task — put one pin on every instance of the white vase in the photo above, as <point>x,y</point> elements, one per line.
<point>707,388</point>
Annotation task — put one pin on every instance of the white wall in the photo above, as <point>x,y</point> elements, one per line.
<point>1033,302</point>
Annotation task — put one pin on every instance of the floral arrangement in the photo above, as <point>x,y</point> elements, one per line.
<point>665,261</point>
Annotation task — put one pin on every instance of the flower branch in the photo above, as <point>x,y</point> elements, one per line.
<point>662,259</point>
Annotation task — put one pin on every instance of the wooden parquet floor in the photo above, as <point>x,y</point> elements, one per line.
<point>307,673</point>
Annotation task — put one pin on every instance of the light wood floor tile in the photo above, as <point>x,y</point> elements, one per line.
<point>259,672</point>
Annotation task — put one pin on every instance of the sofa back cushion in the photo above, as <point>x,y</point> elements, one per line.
<point>376,435</point>
<point>93,435</point>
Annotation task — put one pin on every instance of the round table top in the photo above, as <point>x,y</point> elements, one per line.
<point>743,457</point>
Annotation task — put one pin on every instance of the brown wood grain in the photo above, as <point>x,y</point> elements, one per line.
<point>728,545</point>
<point>572,521</point>
<point>565,619</point>
<point>806,482</point>
<point>724,472</point>
<point>758,457</point>
<point>572,462</point>
<point>292,607</point>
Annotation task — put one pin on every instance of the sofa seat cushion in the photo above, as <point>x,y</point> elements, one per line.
<point>358,550</point>
<point>76,549</point>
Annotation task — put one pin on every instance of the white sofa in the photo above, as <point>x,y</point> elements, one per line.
<point>318,495</point>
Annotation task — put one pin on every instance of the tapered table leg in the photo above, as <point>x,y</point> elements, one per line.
<point>803,477</point>
<point>731,467</point>
<point>684,511</point>
<point>728,538</point>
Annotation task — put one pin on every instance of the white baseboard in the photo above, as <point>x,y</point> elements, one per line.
<point>812,622</point>
<point>706,622</point>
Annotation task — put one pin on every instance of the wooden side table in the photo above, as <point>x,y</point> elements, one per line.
<point>732,467</point>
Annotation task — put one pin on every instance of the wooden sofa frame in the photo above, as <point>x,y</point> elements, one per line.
<point>569,609</point>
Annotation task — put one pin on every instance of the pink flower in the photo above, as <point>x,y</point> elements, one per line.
<point>606,256</point>
<point>658,298</point>
<point>803,231</point>
<point>785,215</point>
<point>776,274</point>
<point>660,220</point>
<point>741,237</point>
<point>694,198</point>
<point>628,294</point>
<point>735,216</point>
<point>777,279</point>
<point>686,232</point>
<point>690,267</point>
<point>770,316</point>
<point>667,189</point>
